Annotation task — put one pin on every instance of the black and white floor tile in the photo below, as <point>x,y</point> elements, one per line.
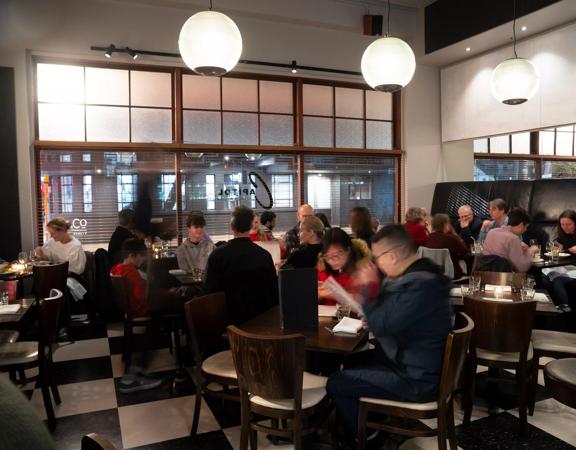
<point>88,372</point>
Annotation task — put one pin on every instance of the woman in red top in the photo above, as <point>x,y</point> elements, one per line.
<point>416,225</point>
<point>339,259</point>
<point>256,232</point>
<point>444,236</point>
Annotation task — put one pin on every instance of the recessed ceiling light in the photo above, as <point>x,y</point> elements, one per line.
<point>468,49</point>
<point>524,28</point>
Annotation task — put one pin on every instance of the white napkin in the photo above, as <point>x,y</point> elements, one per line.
<point>491,287</point>
<point>499,299</point>
<point>541,297</point>
<point>9,309</point>
<point>327,310</point>
<point>348,325</point>
<point>456,292</point>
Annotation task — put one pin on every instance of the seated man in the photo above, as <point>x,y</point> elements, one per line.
<point>244,271</point>
<point>410,317</point>
<point>505,242</point>
<point>194,252</point>
<point>135,253</point>
<point>122,232</point>
<point>291,239</point>
<point>268,222</point>
<point>497,209</point>
<point>468,226</point>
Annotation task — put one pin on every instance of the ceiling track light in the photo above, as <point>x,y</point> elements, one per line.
<point>111,49</point>
<point>131,52</point>
<point>294,68</point>
<point>514,81</point>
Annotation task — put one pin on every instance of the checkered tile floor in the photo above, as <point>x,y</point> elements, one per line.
<point>88,372</point>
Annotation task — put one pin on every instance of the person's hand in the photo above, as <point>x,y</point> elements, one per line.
<point>464,223</point>
<point>572,249</point>
<point>39,252</point>
<point>534,249</point>
<point>485,225</point>
<point>524,246</point>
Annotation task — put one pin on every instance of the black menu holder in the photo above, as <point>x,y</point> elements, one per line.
<point>298,299</point>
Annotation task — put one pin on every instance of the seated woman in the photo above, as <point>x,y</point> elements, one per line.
<point>444,236</point>
<point>62,247</point>
<point>416,225</point>
<point>361,223</point>
<point>193,253</point>
<point>256,232</point>
<point>567,240</point>
<point>311,232</point>
<point>340,258</point>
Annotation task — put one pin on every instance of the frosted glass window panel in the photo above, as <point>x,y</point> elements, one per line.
<point>201,127</point>
<point>521,143</point>
<point>547,142</point>
<point>240,128</point>
<point>60,84</point>
<point>379,135</point>
<point>106,86</point>
<point>500,144</point>
<point>200,92</point>
<point>60,122</point>
<point>349,103</point>
<point>151,88</point>
<point>349,133</point>
<point>564,140</point>
<point>239,95</point>
<point>276,130</point>
<point>378,105</point>
<point>107,124</point>
<point>276,97</point>
<point>318,100</point>
<point>151,125</point>
<point>481,145</point>
<point>318,132</point>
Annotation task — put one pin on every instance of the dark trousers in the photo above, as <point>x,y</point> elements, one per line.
<point>346,387</point>
<point>559,289</point>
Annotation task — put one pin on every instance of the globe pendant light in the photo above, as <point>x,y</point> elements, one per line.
<point>515,80</point>
<point>388,64</point>
<point>210,43</point>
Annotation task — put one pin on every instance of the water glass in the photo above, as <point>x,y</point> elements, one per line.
<point>4,297</point>
<point>474,282</point>
<point>528,283</point>
<point>33,257</point>
<point>342,311</point>
<point>23,257</point>
<point>527,293</point>
<point>466,290</point>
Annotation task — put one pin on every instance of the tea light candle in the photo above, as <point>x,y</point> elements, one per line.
<point>498,292</point>
<point>17,267</point>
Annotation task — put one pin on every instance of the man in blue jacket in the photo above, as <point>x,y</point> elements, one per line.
<point>410,317</point>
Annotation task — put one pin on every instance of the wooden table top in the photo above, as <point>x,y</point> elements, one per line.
<point>547,262</point>
<point>541,307</point>
<point>320,340</point>
<point>25,304</point>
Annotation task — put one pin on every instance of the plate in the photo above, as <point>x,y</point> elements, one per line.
<point>561,254</point>
<point>177,272</point>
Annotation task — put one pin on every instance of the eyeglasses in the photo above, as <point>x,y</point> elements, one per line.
<point>465,216</point>
<point>387,251</point>
<point>335,256</point>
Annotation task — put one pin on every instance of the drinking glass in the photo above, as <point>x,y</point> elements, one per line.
<point>4,297</point>
<point>474,282</point>
<point>532,242</point>
<point>527,293</point>
<point>342,311</point>
<point>466,290</point>
<point>23,257</point>
<point>528,283</point>
<point>33,256</point>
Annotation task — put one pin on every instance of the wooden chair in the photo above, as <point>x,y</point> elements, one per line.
<point>19,356</point>
<point>501,340</point>
<point>560,379</point>
<point>120,291</point>
<point>213,363</point>
<point>9,336</point>
<point>512,279</point>
<point>455,351</point>
<point>551,344</point>
<point>273,385</point>
<point>49,277</point>
<point>94,441</point>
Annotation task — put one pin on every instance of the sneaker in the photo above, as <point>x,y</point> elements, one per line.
<point>132,383</point>
<point>564,308</point>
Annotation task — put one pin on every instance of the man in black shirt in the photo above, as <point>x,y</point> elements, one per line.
<point>243,271</point>
<point>468,226</point>
<point>122,233</point>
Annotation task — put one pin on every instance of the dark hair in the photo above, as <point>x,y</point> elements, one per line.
<point>516,216</point>
<point>337,236</point>
<point>568,214</point>
<point>439,221</point>
<point>133,247</point>
<point>195,218</point>
<point>324,219</point>
<point>361,221</point>
<point>498,203</point>
<point>126,217</point>
<point>242,218</point>
<point>397,235</point>
<point>267,216</point>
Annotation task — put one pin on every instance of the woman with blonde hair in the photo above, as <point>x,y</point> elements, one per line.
<point>311,232</point>
<point>62,247</point>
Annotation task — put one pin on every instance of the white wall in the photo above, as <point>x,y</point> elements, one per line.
<point>325,33</point>
<point>469,110</point>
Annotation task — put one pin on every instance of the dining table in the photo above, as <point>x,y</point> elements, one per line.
<point>544,304</point>
<point>11,319</point>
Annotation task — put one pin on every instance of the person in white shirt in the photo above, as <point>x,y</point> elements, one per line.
<point>62,247</point>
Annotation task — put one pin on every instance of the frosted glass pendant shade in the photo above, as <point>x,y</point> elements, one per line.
<point>210,43</point>
<point>388,64</point>
<point>515,81</point>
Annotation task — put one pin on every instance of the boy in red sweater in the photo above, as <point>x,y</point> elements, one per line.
<point>134,253</point>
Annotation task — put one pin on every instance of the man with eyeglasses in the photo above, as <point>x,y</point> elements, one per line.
<point>291,239</point>
<point>410,316</point>
<point>469,225</point>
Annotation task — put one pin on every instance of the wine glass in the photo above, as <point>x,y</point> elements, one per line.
<point>23,257</point>
<point>33,256</point>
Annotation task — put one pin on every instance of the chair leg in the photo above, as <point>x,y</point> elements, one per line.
<point>53,385</point>
<point>297,431</point>
<point>47,401</point>
<point>442,427</point>
<point>275,423</point>
<point>451,426</point>
<point>522,398</point>
<point>197,406</point>
<point>245,420</point>
<point>362,419</point>
<point>128,343</point>
<point>22,375</point>
<point>533,385</point>
<point>467,394</point>
<point>253,440</point>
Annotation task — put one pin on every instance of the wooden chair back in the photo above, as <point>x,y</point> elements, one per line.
<point>513,279</point>
<point>501,326</point>
<point>455,351</point>
<point>271,367</point>
<point>48,313</point>
<point>94,441</point>
<point>206,318</point>
<point>49,277</point>
<point>11,286</point>
<point>120,293</point>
